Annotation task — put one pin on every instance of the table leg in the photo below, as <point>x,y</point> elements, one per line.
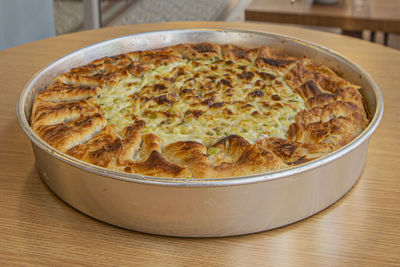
<point>91,14</point>
<point>356,34</point>
<point>386,39</point>
<point>372,36</point>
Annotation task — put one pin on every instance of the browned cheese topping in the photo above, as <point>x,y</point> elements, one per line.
<point>199,110</point>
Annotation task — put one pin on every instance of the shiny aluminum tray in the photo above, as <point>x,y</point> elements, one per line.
<point>205,207</point>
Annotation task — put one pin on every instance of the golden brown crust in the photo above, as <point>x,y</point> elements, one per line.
<point>336,113</point>
<point>246,159</point>
<point>60,92</point>
<point>236,53</point>
<point>101,150</point>
<point>48,113</point>
<point>231,148</point>
<point>157,165</point>
<point>131,142</point>
<point>294,152</point>
<point>199,51</point>
<point>150,143</point>
<point>67,116</point>
<point>63,136</point>
<point>108,150</point>
<point>303,71</point>
<point>160,56</point>
<point>273,59</point>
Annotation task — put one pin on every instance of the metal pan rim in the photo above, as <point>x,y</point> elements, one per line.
<point>200,182</point>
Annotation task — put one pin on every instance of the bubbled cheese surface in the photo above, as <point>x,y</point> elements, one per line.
<point>204,101</point>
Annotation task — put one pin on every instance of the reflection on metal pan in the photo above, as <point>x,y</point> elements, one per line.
<point>202,207</point>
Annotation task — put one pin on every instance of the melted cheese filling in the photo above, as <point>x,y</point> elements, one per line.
<point>204,101</point>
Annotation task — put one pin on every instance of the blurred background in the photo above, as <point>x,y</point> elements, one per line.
<point>23,21</point>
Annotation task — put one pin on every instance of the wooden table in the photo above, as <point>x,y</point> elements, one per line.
<point>37,228</point>
<point>349,15</point>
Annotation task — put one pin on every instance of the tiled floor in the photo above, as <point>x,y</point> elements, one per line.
<point>68,16</point>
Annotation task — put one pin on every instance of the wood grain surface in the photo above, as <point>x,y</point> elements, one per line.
<point>350,15</point>
<point>37,228</point>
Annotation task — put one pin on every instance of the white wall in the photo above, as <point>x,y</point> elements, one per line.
<point>23,21</point>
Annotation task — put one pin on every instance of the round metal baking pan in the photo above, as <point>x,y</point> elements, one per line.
<point>202,207</point>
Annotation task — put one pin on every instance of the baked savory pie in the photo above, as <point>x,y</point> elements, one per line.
<point>199,110</point>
